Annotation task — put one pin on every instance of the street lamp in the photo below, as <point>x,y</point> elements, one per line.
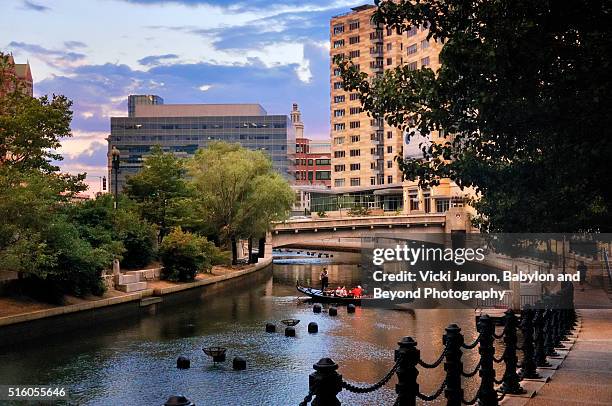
<point>115,154</point>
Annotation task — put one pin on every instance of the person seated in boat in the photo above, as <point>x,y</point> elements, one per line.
<point>343,292</point>
<point>338,291</point>
<point>357,292</point>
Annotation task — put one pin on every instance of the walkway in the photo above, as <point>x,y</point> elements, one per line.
<point>585,377</point>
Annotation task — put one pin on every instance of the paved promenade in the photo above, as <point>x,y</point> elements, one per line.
<point>585,377</point>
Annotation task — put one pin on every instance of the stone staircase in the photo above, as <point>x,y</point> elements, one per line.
<point>129,283</point>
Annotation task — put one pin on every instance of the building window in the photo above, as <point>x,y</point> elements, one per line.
<point>372,180</point>
<point>322,161</point>
<point>355,167</point>
<point>338,99</point>
<point>412,66</point>
<point>389,61</point>
<point>442,205</point>
<point>354,96</point>
<point>389,149</point>
<point>355,110</point>
<point>389,134</point>
<point>339,168</point>
<point>412,49</point>
<point>411,32</point>
<point>389,47</point>
<point>310,175</point>
<point>389,164</point>
<point>372,165</point>
<point>338,29</point>
<point>389,179</point>
<point>339,140</point>
<point>339,113</point>
<point>339,43</point>
<point>389,32</point>
<point>354,124</point>
<point>337,72</point>
<point>353,25</point>
<point>413,196</point>
<point>339,127</point>
<point>355,182</point>
<point>425,62</point>
<point>354,54</point>
<point>310,162</point>
<point>355,138</point>
<point>355,152</point>
<point>339,154</point>
<point>323,175</point>
<point>354,40</point>
<point>339,182</point>
<point>425,44</point>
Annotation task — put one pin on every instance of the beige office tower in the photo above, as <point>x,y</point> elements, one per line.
<point>363,148</point>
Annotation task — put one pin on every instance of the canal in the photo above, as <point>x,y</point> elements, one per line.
<point>133,361</point>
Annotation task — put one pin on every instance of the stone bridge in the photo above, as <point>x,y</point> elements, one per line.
<point>348,232</point>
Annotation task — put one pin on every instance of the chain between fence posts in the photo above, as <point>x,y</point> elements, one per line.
<point>486,392</point>
<point>408,356</point>
<point>528,365</point>
<point>453,339</point>
<point>511,379</point>
<point>325,383</point>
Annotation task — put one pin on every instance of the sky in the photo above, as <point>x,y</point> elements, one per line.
<point>97,52</point>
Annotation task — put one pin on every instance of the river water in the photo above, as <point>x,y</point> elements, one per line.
<point>133,361</point>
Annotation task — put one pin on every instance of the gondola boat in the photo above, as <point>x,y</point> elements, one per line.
<point>318,296</point>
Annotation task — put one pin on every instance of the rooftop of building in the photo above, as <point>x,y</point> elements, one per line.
<point>355,10</point>
<point>198,110</point>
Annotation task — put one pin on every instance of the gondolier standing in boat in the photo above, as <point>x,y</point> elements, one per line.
<point>324,279</point>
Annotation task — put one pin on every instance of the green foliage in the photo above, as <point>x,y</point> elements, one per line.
<point>184,254</point>
<point>356,211</point>
<point>236,192</point>
<point>160,190</point>
<point>119,231</point>
<point>523,96</point>
<point>322,213</point>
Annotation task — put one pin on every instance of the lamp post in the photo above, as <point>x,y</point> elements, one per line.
<point>115,154</point>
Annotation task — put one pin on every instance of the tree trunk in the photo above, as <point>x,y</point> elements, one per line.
<point>234,251</point>
<point>250,249</point>
<point>262,247</point>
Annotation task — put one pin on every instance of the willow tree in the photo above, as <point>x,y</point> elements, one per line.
<point>524,89</point>
<point>236,193</point>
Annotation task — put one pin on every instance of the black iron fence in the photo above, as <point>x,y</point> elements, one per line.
<point>543,326</point>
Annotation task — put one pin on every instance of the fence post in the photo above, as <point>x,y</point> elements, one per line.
<point>486,392</point>
<point>558,319</point>
<point>407,387</point>
<point>549,328</point>
<point>528,368</point>
<point>325,383</point>
<point>511,379</point>
<point>453,340</point>
<point>538,325</point>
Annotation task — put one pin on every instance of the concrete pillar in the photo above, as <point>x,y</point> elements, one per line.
<point>268,250</point>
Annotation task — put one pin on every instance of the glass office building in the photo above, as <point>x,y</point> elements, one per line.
<point>183,129</point>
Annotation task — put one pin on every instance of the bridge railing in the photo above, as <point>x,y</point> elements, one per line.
<point>543,327</point>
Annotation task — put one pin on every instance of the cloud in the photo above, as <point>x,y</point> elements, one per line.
<point>29,5</point>
<point>74,44</point>
<point>59,59</point>
<point>156,59</point>
<point>205,87</point>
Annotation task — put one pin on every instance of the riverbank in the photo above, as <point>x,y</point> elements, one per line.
<point>21,310</point>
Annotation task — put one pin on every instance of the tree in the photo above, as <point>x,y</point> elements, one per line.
<point>236,192</point>
<point>160,190</point>
<point>523,94</point>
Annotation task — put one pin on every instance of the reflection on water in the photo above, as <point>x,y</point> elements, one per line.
<point>134,361</point>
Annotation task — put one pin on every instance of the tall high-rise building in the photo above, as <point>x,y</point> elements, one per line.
<point>364,148</point>
<point>184,128</point>
<point>312,158</point>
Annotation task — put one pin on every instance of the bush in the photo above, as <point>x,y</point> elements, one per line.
<point>184,254</point>
<point>359,211</point>
<point>322,213</point>
<point>139,242</point>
